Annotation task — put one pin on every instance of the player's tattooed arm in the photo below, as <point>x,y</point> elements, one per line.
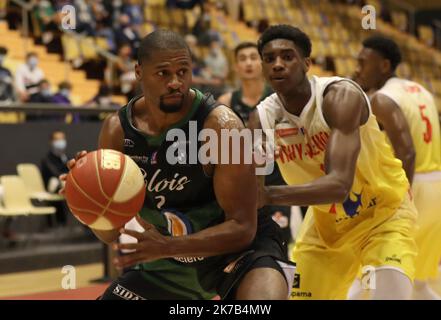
<point>392,119</point>
<point>236,192</point>
<point>345,110</point>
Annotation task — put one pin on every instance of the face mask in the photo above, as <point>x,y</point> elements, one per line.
<point>59,145</point>
<point>104,100</point>
<point>32,62</point>
<point>65,92</point>
<point>46,92</point>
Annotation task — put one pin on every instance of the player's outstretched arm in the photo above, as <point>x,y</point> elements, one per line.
<point>392,119</point>
<point>344,109</point>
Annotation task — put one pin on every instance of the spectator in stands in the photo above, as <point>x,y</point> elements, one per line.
<point>217,66</point>
<point>44,94</point>
<point>103,98</point>
<point>127,33</point>
<point>104,30</point>
<point>6,86</point>
<point>202,28</point>
<point>46,16</point>
<point>125,71</point>
<point>85,19</point>
<point>198,65</point>
<point>133,9</point>
<point>63,94</point>
<point>28,77</point>
<point>52,166</point>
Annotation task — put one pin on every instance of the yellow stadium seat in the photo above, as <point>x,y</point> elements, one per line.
<point>71,48</point>
<point>426,35</point>
<point>31,176</point>
<point>87,49</point>
<point>16,199</point>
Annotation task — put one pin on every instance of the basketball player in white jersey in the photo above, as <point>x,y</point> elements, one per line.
<point>335,159</point>
<point>408,115</point>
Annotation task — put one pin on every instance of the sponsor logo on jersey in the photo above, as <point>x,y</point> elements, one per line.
<point>234,265</point>
<point>179,225</point>
<point>393,258</point>
<point>154,183</point>
<point>128,143</point>
<point>296,282</point>
<point>126,294</point>
<point>154,159</point>
<point>140,159</point>
<point>310,148</point>
<point>287,132</point>
<point>351,206</point>
<point>302,294</point>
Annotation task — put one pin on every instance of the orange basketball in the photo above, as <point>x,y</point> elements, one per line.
<point>105,189</point>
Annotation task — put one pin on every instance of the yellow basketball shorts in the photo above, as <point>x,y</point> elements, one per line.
<point>427,194</point>
<point>327,272</point>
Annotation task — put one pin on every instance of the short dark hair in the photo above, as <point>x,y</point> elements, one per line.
<point>42,81</point>
<point>31,54</point>
<point>3,50</point>
<point>160,39</point>
<point>64,85</point>
<point>244,45</point>
<point>52,134</point>
<point>386,47</point>
<point>284,31</point>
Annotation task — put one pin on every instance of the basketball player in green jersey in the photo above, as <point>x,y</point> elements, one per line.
<point>203,238</point>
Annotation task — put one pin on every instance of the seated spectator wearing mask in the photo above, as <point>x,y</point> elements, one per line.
<point>52,166</point>
<point>28,77</point>
<point>44,94</point>
<point>6,88</point>
<point>217,66</point>
<point>63,94</point>
<point>127,33</point>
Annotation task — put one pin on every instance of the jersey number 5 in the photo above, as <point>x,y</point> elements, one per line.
<point>427,136</point>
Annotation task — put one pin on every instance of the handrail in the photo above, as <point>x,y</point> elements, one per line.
<point>53,107</point>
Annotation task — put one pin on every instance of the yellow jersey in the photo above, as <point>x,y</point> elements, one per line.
<point>379,184</point>
<point>420,111</point>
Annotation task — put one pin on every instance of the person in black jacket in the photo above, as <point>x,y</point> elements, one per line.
<point>52,166</point>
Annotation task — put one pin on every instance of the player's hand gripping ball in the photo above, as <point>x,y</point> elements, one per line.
<point>105,189</point>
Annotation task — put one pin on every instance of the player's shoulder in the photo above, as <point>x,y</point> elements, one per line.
<point>112,124</point>
<point>342,87</point>
<point>270,102</point>
<point>223,117</point>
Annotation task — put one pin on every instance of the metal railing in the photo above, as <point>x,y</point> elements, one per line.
<point>45,108</point>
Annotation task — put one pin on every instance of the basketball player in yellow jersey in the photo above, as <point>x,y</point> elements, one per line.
<point>335,159</point>
<point>408,114</point>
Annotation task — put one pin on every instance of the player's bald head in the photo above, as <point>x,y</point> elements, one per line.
<point>160,40</point>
